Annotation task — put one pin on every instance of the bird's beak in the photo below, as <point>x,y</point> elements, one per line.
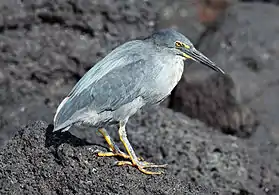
<point>199,57</point>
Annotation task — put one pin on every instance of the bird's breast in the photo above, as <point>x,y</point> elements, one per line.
<point>170,74</point>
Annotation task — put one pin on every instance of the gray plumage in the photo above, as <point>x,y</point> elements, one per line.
<point>135,74</point>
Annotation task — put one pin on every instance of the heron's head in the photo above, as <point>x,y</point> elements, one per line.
<point>182,46</point>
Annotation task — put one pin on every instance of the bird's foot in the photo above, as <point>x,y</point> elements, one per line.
<point>111,154</point>
<point>116,154</point>
<point>142,165</point>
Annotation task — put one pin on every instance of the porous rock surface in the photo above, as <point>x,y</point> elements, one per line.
<point>36,160</point>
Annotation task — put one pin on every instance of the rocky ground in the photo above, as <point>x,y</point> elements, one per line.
<point>46,46</point>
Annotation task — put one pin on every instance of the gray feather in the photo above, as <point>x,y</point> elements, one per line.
<point>109,84</point>
<point>136,73</point>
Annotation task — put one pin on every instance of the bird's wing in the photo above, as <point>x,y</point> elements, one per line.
<point>107,92</point>
<point>116,88</point>
<point>117,58</point>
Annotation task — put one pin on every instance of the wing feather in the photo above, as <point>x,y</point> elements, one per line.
<point>106,88</point>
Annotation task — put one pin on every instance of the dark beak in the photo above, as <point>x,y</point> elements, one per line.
<point>199,57</point>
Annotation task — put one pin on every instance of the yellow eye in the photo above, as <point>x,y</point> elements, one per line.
<point>178,44</point>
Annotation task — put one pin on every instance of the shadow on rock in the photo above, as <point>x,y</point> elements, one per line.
<point>214,102</point>
<point>57,138</point>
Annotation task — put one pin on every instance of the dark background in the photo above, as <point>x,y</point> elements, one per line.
<point>216,133</point>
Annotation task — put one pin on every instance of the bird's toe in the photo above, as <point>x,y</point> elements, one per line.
<point>113,154</point>
<point>142,169</point>
<point>152,165</point>
<point>142,166</point>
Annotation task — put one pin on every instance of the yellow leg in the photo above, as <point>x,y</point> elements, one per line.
<point>107,138</point>
<point>135,162</point>
<point>115,151</point>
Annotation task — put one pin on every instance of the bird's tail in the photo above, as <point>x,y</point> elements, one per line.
<point>57,126</point>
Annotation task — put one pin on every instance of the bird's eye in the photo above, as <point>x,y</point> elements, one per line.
<point>178,44</point>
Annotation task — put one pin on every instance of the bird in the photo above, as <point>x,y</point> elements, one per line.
<point>137,74</point>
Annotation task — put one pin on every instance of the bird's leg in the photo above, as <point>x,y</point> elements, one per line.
<point>115,151</point>
<point>141,165</point>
